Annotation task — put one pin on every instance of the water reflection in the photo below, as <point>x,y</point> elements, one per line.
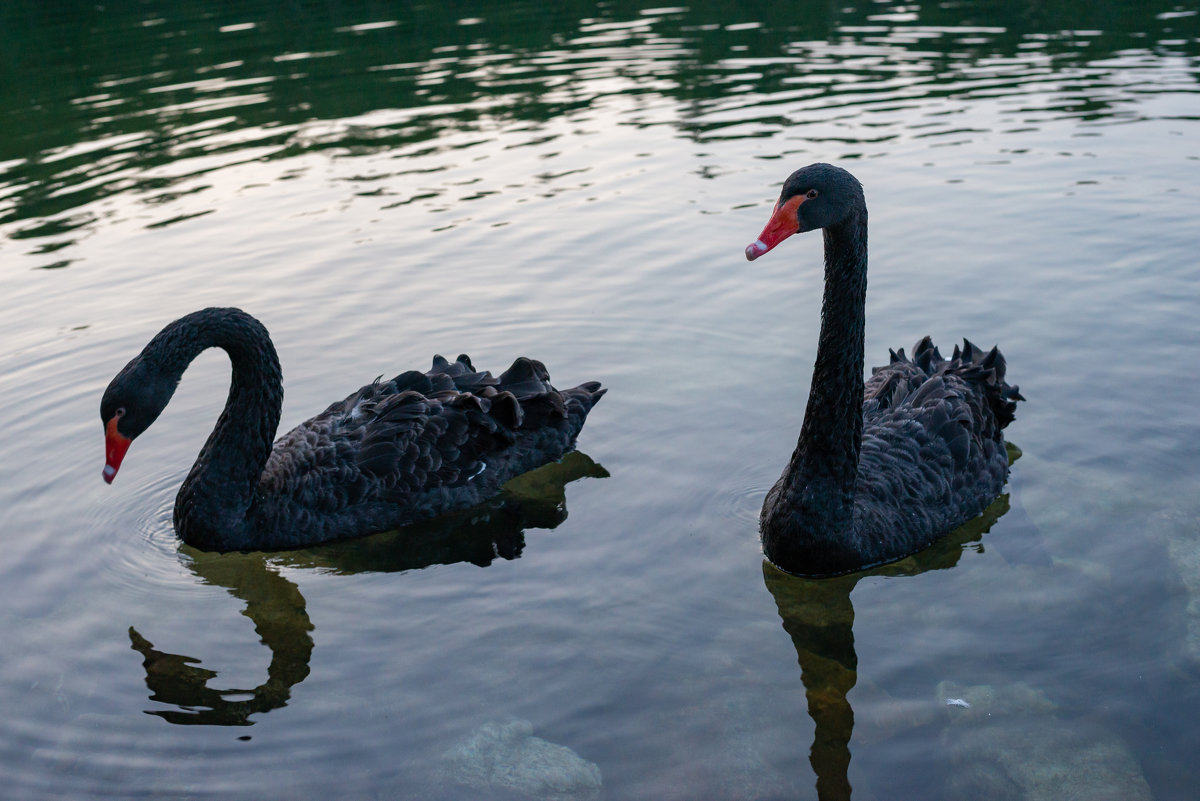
<point>134,112</point>
<point>277,608</point>
<point>819,617</point>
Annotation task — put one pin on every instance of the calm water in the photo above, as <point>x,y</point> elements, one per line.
<point>577,184</point>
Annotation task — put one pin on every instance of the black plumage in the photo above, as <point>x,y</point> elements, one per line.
<point>881,469</point>
<point>392,453</point>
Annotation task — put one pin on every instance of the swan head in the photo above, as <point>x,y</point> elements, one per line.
<point>133,400</point>
<point>816,196</point>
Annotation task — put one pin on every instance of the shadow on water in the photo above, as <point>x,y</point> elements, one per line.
<point>819,617</point>
<point>275,604</point>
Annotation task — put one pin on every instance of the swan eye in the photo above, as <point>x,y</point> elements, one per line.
<point>120,412</point>
<point>810,194</point>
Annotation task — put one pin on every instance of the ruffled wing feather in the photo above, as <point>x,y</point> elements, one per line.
<point>933,454</point>
<point>419,444</point>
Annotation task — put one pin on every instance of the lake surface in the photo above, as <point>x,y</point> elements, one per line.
<point>576,183</point>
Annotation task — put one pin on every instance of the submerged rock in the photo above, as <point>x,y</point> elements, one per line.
<point>1006,743</point>
<point>506,757</point>
<point>1181,530</point>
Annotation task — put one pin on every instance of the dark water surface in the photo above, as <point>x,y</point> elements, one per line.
<point>576,182</point>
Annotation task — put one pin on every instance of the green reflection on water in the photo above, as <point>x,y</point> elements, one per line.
<point>819,617</point>
<point>277,608</point>
<point>114,99</point>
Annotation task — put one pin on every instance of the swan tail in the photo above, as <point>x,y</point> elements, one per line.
<point>908,379</point>
<point>520,397</point>
<point>582,398</point>
<point>986,371</point>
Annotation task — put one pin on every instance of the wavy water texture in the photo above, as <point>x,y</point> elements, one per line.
<point>576,182</point>
<point>134,113</point>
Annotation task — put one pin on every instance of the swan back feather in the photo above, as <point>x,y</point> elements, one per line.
<point>414,447</point>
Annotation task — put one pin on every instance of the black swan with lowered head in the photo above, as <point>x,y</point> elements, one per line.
<point>881,470</point>
<point>393,453</point>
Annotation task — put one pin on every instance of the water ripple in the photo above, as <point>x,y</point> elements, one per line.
<point>738,500</point>
<point>151,565</point>
<point>245,108</point>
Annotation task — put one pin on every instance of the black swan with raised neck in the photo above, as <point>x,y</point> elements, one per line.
<point>884,469</point>
<point>394,452</point>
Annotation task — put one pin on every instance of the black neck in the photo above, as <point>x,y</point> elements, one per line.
<point>825,463</point>
<point>219,492</point>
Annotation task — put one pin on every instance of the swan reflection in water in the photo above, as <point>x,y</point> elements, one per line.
<point>819,617</point>
<point>497,529</point>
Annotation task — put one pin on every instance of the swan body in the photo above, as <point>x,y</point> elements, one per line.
<point>882,469</point>
<point>392,453</point>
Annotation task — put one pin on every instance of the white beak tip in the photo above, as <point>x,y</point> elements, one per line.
<point>755,249</point>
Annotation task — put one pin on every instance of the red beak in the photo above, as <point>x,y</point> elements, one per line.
<point>115,445</point>
<point>783,223</point>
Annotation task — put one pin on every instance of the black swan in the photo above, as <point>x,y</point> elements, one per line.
<point>882,470</point>
<point>394,452</point>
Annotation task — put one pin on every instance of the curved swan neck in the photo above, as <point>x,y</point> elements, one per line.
<point>213,503</point>
<point>825,463</point>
